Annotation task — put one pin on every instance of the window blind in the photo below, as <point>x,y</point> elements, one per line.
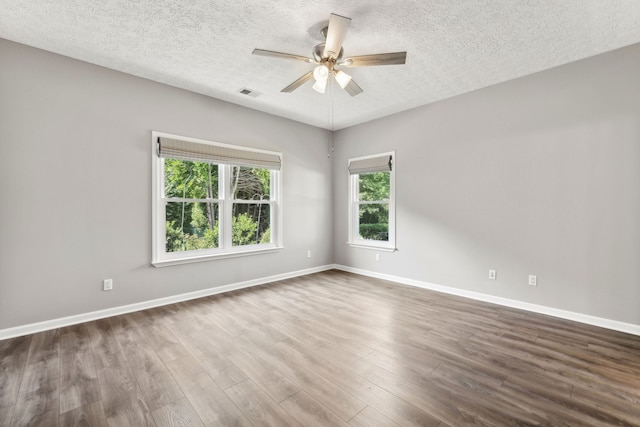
<point>193,151</point>
<point>373,164</point>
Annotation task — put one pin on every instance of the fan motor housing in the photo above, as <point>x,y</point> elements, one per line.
<point>318,53</point>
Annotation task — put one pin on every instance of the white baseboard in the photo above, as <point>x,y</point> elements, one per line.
<point>114,311</point>
<point>563,314</point>
<point>109,312</point>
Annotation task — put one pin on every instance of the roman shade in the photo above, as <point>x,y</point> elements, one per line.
<point>220,154</point>
<point>371,164</point>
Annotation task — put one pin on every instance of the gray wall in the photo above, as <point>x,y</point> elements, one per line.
<point>539,175</point>
<point>75,186</point>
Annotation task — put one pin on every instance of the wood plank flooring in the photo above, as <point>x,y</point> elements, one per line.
<point>328,349</point>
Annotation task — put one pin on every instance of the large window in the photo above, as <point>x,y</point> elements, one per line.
<point>372,202</point>
<point>212,200</point>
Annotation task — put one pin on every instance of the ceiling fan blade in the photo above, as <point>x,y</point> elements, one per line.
<point>353,89</point>
<point>338,26</point>
<point>274,54</point>
<point>376,59</point>
<point>295,85</point>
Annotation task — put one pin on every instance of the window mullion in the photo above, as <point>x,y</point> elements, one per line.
<point>188,200</point>
<point>227,208</point>
<point>373,202</point>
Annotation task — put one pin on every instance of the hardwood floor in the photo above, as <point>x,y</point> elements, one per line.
<point>328,349</point>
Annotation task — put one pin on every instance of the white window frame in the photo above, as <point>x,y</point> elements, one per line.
<point>354,212</point>
<point>161,258</point>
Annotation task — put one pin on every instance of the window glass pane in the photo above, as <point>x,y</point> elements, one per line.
<point>250,183</point>
<point>251,224</point>
<point>190,180</point>
<point>373,221</point>
<point>191,226</point>
<point>374,186</point>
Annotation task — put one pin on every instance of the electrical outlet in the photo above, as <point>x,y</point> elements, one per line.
<point>308,254</point>
<point>107,284</point>
<point>492,275</point>
<point>377,257</point>
<point>533,280</point>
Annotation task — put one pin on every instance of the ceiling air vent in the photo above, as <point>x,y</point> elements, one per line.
<point>249,92</point>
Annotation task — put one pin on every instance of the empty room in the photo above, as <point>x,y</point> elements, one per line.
<point>417,213</point>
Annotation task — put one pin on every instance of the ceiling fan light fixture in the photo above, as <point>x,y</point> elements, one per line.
<point>320,86</point>
<point>342,78</point>
<point>329,55</point>
<point>321,72</point>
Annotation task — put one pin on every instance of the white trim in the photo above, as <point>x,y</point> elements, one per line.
<point>372,247</point>
<point>115,311</point>
<point>615,325</point>
<point>225,249</point>
<point>221,255</point>
<point>354,240</point>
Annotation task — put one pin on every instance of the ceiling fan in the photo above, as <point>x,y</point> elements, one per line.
<point>328,56</point>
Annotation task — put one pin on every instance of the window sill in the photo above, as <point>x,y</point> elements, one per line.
<point>211,257</point>
<point>382,248</point>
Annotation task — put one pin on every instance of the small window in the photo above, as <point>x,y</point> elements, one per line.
<point>212,200</point>
<point>372,202</point>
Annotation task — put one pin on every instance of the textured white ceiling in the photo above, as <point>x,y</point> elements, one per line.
<point>205,46</point>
